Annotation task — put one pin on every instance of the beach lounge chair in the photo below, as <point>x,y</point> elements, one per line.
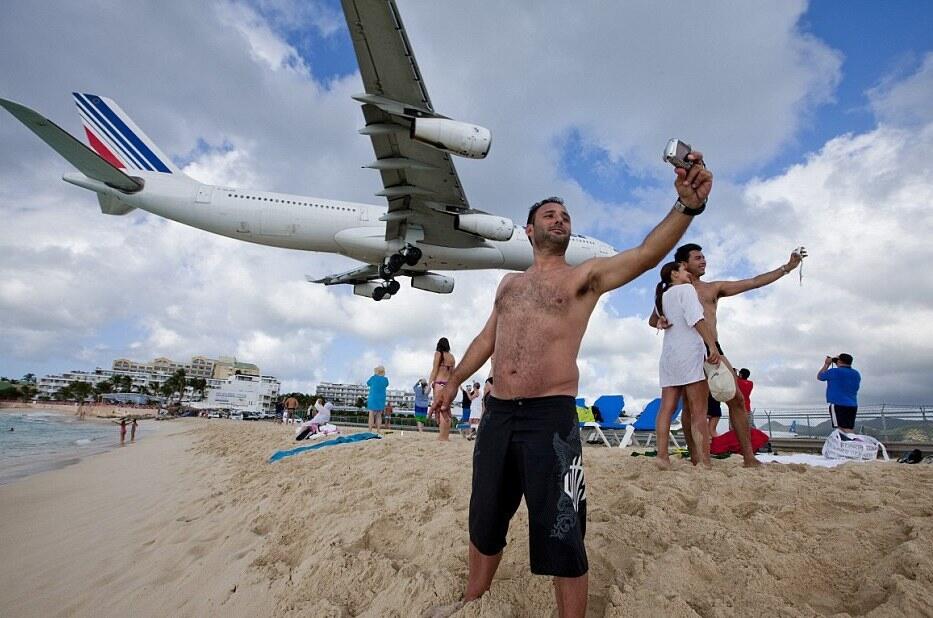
<point>610,431</point>
<point>646,422</point>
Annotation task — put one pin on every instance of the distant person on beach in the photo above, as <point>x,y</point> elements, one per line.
<point>122,431</point>
<point>529,441</point>
<point>745,386</point>
<point>468,395</point>
<point>291,407</point>
<point>421,402</point>
<point>842,384</point>
<point>322,410</point>
<point>709,293</point>
<point>387,416</point>
<point>376,400</point>
<point>479,407</point>
<point>133,426</point>
<point>688,341</point>
<point>440,375</point>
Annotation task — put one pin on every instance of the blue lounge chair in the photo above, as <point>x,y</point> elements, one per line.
<point>647,421</point>
<point>610,430</point>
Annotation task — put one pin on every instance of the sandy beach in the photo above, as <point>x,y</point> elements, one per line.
<point>192,521</point>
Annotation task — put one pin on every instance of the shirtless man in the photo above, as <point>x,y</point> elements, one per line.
<point>710,292</point>
<point>528,443</point>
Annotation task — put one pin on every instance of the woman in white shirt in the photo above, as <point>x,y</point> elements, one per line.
<point>322,417</point>
<point>681,368</point>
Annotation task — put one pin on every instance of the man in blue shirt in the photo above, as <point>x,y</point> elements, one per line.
<point>842,384</point>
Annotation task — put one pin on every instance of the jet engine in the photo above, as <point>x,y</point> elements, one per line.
<point>487,226</point>
<point>432,282</point>
<point>459,138</point>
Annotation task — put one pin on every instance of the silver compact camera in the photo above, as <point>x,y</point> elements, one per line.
<point>676,153</point>
<point>801,251</point>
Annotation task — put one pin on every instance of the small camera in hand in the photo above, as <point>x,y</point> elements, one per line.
<point>835,360</point>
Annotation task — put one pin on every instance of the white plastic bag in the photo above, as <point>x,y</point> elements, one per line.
<point>841,445</point>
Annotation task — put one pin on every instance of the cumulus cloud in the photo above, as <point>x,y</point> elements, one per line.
<point>906,102</point>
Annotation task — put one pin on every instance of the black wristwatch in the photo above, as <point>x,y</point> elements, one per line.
<point>690,212</point>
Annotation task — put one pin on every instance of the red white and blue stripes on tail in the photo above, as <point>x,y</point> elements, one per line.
<point>116,138</point>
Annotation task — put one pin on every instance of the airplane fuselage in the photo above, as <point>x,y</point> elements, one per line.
<point>316,224</point>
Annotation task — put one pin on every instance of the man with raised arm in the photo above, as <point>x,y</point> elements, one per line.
<point>710,292</point>
<point>529,443</point>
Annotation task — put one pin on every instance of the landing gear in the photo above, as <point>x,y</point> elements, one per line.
<point>409,255</point>
<point>387,291</point>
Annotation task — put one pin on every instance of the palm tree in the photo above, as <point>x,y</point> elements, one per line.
<point>28,392</point>
<point>198,385</point>
<point>102,388</point>
<point>178,383</point>
<point>80,390</point>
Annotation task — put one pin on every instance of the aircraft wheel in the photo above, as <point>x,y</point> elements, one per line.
<point>384,271</point>
<point>396,261</point>
<point>413,255</point>
<point>379,293</point>
<point>393,287</point>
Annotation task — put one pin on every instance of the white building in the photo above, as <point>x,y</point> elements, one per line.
<point>151,376</point>
<point>243,393</point>
<point>346,395</point>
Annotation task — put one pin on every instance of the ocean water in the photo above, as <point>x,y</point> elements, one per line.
<point>43,441</point>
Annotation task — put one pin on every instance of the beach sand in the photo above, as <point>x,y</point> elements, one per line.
<point>193,521</point>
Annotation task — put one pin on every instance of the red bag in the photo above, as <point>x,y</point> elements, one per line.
<point>729,442</point>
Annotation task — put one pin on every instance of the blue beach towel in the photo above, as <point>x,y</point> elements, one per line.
<point>356,437</point>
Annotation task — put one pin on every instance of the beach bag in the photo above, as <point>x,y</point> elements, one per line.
<point>721,381</point>
<point>840,445</point>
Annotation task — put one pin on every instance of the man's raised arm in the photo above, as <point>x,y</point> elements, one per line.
<point>693,188</point>
<point>731,288</point>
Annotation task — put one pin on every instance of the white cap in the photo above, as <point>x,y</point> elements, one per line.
<point>721,381</point>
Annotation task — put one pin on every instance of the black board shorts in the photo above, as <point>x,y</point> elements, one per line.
<point>842,416</point>
<point>531,448</point>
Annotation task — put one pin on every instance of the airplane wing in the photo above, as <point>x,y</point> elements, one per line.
<point>419,181</point>
<point>362,274</point>
<point>86,160</point>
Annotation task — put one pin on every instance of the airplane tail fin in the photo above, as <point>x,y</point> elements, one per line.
<point>91,164</point>
<point>116,138</point>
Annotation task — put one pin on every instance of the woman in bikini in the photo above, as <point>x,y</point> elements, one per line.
<point>440,374</point>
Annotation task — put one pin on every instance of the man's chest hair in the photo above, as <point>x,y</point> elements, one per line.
<point>531,293</point>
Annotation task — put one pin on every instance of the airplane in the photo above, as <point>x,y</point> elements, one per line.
<point>427,223</point>
<point>790,433</point>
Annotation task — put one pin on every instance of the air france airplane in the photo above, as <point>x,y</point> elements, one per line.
<point>427,224</point>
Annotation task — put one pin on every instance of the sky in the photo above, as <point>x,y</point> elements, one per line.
<point>816,119</point>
